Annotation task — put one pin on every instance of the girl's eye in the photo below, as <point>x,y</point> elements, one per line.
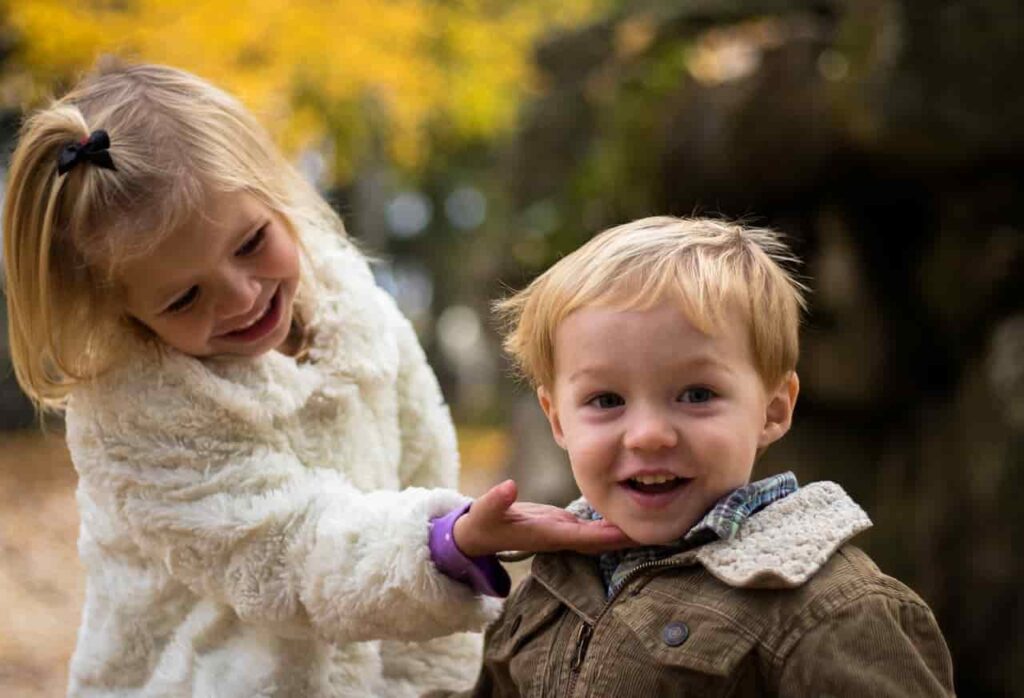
<point>252,244</point>
<point>607,401</point>
<point>697,395</point>
<point>184,301</point>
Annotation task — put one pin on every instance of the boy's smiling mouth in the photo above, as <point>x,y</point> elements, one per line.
<point>655,483</point>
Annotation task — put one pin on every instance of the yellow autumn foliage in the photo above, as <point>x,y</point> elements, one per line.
<point>317,72</point>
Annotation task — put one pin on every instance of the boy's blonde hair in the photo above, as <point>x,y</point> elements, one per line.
<point>707,266</point>
<point>175,140</point>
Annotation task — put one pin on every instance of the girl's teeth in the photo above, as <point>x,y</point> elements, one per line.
<point>258,318</point>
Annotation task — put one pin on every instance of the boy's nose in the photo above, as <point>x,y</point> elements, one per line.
<point>650,430</point>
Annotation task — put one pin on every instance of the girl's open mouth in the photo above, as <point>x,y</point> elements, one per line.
<point>262,326</point>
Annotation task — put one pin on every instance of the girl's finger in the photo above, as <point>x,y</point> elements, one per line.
<point>495,501</point>
<point>594,537</point>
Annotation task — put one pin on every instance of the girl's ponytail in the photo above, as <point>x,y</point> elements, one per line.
<point>55,308</point>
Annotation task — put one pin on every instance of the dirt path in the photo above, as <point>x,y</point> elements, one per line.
<point>41,582</point>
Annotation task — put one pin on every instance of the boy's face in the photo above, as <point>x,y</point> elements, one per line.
<point>223,285</point>
<point>660,420</point>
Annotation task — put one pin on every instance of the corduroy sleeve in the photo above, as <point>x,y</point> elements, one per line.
<point>876,645</point>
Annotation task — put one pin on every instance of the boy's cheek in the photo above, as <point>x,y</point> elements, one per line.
<point>588,459</point>
<point>591,479</point>
<point>718,437</point>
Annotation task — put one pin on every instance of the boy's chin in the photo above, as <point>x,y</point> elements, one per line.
<point>645,533</point>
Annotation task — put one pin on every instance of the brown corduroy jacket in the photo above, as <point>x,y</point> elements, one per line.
<point>783,609</point>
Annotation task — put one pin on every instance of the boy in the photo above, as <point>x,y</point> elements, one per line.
<point>663,353</point>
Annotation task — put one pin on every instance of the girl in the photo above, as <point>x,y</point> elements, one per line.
<point>254,426</point>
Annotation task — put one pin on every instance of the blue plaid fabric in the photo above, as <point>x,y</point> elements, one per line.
<point>722,522</point>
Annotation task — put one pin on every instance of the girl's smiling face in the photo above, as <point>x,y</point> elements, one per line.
<point>659,419</point>
<point>222,285</point>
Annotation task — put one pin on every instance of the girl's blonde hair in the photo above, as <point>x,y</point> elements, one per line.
<point>175,140</point>
<point>708,266</point>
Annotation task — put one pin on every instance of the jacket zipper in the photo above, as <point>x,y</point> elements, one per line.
<point>582,642</point>
<point>586,630</point>
<point>635,572</point>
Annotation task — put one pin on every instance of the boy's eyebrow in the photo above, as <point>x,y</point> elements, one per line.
<point>699,361</point>
<point>584,372</point>
<point>707,361</point>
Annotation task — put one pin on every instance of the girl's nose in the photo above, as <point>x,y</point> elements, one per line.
<point>239,294</point>
<point>650,430</point>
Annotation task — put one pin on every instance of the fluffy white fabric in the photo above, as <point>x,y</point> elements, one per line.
<point>259,527</point>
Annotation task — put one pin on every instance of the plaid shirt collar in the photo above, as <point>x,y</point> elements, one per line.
<point>722,522</point>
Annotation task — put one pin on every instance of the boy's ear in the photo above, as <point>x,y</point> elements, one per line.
<point>551,412</point>
<point>779,412</point>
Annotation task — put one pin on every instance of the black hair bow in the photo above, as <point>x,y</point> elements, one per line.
<point>94,149</point>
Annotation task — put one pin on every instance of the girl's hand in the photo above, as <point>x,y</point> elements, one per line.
<point>497,522</point>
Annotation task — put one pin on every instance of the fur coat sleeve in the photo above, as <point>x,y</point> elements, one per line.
<point>282,489</point>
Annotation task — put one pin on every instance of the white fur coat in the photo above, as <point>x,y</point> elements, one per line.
<point>259,527</point>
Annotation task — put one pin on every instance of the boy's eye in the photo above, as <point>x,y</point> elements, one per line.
<point>696,395</point>
<point>252,244</point>
<point>183,301</point>
<point>607,401</point>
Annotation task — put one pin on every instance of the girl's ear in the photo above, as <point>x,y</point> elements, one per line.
<point>551,412</point>
<point>779,411</point>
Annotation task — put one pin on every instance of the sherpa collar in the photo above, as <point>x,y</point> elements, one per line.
<point>782,546</point>
<point>787,542</point>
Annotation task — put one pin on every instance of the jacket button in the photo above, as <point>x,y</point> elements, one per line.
<point>515,625</point>
<point>675,633</point>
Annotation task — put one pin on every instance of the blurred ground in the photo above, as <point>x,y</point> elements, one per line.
<point>41,584</point>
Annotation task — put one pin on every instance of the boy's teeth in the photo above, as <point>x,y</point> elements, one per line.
<point>652,479</point>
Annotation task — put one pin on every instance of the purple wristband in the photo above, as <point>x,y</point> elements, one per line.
<point>484,574</point>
